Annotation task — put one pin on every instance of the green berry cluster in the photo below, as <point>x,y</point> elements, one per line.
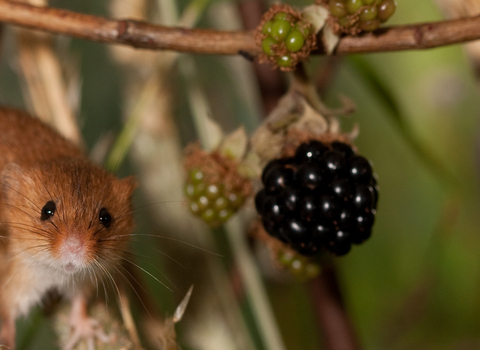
<point>286,39</point>
<point>361,15</point>
<point>298,265</point>
<point>211,202</point>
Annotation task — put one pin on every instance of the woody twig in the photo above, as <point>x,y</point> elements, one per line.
<point>148,36</point>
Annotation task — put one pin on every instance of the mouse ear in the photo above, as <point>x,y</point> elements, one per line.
<point>11,177</point>
<point>128,185</point>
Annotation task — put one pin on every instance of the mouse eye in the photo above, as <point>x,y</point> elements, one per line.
<point>105,217</point>
<point>48,210</point>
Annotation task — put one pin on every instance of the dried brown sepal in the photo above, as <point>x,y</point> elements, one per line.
<point>352,26</point>
<point>292,123</point>
<point>280,50</point>
<point>351,29</point>
<point>217,169</point>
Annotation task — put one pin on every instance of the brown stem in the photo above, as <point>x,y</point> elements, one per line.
<point>129,32</point>
<point>270,81</point>
<point>326,74</point>
<point>414,37</point>
<point>335,326</point>
<point>148,36</point>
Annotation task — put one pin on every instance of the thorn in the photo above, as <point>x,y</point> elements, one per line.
<point>177,316</point>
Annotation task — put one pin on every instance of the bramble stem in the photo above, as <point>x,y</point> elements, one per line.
<point>148,36</point>
<point>335,326</point>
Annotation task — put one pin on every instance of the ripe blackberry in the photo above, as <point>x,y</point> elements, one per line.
<point>310,175</point>
<point>322,198</point>
<point>311,151</point>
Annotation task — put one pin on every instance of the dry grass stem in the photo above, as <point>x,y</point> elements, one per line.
<point>44,84</point>
<point>128,318</point>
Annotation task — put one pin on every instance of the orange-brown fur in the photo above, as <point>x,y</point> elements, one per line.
<point>36,166</point>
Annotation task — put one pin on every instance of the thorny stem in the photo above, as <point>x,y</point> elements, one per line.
<point>144,35</point>
<point>335,326</point>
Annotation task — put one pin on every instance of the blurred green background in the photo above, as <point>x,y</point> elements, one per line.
<point>416,283</point>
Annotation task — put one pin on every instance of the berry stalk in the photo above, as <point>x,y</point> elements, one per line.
<point>271,84</point>
<point>335,325</point>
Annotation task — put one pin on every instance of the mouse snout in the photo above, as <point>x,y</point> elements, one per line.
<point>73,253</point>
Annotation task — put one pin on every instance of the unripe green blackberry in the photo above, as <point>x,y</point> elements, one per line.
<point>298,265</point>
<point>285,38</point>
<point>281,33</point>
<point>213,187</point>
<point>211,202</point>
<point>268,46</point>
<point>322,198</point>
<point>354,16</point>
<point>285,61</point>
<point>280,29</point>
<point>294,41</point>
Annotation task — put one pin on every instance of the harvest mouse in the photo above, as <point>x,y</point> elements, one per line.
<point>64,223</point>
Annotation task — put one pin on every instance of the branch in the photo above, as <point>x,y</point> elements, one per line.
<point>129,32</point>
<point>335,325</point>
<point>414,37</point>
<point>148,36</point>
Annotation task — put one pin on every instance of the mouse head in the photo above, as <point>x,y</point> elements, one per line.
<point>67,214</point>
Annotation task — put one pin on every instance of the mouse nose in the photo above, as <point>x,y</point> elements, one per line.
<point>73,253</point>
